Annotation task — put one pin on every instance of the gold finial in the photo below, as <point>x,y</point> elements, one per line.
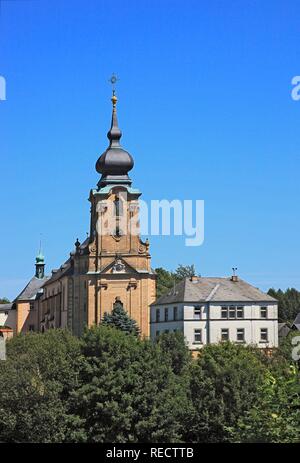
<point>113,81</point>
<point>114,99</point>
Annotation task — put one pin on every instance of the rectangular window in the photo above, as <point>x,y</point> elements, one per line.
<point>232,311</point>
<point>224,312</point>
<point>31,327</point>
<point>240,312</point>
<point>263,312</point>
<point>197,312</point>
<point>166,314</point>
<point>31,305</point>
<point>197,336</point>
<point>224,334</point>
<point>263,335</point>
<point>175,313</point>
<point>157,334</point>
<point>157,315</point>
<point>240,335</point>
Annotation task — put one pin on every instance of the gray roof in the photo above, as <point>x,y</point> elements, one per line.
<point>214,289</point>
<point>296,322</point>
<point>65,270</point>
<point>283,330</point>
<point>5,307</point>
<point>31,290</point>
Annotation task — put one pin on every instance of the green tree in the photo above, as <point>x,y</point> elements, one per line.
<point>174,347</point>
<point>276,415</point>
<point>166,279</point>
<point>4,300</point>
<point>185,271</point>
<point>224,384</point>
<point>288,303</point>
<point>36,381</point>
<point>120,319</point>
<point>129,392</point>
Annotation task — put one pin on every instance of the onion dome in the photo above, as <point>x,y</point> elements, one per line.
<point>115,163</point>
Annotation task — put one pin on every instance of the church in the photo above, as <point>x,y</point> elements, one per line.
<point>111,265</point>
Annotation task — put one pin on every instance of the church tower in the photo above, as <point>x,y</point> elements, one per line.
<point>113,264</point>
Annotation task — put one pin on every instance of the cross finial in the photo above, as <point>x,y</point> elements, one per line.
<point>113,80</point>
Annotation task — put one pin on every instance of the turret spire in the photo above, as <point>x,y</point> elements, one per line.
<point>115,163</point>
<point>40,264</point>
<point>114,134</point>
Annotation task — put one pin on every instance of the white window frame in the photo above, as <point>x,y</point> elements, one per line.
<point>197,308</point>
<point>264,308</point>
<point>224,329</point>
<point>267,333</point>
<point>198,331</point>
<point>240,340</point>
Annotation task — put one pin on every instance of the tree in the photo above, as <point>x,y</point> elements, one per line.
<point>174,347</point>
<point>224,385</point>
<point>4,300</point>
<point>128,391</point>
<point>276,415</point>
<point>166,280</point>
<point>288,303</point>
<point>120,319</point>
<point>36,382</point>
<point>186,271</point>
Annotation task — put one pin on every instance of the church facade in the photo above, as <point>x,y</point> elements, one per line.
<point>112,265</point>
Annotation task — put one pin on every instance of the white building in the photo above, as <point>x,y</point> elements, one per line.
<point>7,320</point>
<point>210,310</point>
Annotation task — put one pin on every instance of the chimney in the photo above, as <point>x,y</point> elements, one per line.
<point>194,278</point>
<point>234,277</point>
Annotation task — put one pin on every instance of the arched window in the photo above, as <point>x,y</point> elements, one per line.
<point>118,207</point>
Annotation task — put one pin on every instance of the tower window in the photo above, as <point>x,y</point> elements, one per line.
<point>118,207</point>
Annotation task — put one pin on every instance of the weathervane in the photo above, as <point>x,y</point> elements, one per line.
<point>113,80</point>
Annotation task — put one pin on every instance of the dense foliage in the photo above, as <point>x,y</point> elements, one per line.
<point>119,318</point>
<point>4,300</point>
<point>112,386</point>
<point>166,279</point>
<point>288,303</point>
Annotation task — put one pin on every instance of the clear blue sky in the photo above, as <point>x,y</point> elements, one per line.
<point>206,110</point>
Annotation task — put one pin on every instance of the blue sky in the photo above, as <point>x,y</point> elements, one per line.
<point>205,108</point>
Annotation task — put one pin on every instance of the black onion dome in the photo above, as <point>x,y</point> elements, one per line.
<point>115,163</point>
